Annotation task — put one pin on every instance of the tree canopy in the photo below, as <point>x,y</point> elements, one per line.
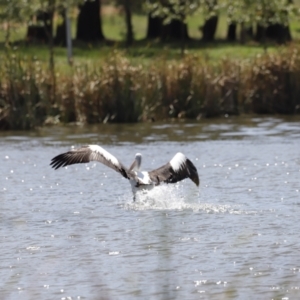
<point>263,13</point>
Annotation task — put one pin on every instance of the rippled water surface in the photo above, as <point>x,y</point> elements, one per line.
<point>75,233</point>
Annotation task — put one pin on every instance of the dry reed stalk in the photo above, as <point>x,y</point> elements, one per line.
<point>119,91</point>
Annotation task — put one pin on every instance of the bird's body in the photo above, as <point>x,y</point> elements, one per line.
<point>177,169</point>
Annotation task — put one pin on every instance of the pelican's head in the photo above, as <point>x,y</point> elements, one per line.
<point>137,163</point>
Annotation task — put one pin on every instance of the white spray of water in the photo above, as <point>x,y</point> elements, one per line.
<point>174,197</point>
<point>177,197</point>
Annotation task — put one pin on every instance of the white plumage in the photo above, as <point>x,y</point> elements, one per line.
<point>177,161</point>
<point>179,167</point>
<point>97,150</point>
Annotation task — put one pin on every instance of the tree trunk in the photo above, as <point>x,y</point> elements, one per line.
<point>154,29</point>
<point>210,26</point>
<point>275,32</point>
<point>89,26</point>
<point>231,32</point>
<point>61,36</point>
<point>183,32</point>
<point>259,33</point>
<point>209,29</point>
<point>279,33</point>
<point>129,32</point>
<point>175,30</point>
<point>243,33</point>
<point>7,35</point>
<point>249,31</point>
<point>40,32</point>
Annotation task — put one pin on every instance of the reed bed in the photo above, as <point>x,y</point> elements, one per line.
<point>122,91</point>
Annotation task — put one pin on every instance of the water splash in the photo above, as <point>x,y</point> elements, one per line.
<point>174,197</point>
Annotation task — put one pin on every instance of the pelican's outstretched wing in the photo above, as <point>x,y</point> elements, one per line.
<point>179,168</point>
<point>86,154</point>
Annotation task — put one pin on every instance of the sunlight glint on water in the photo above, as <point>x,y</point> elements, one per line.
<point>76,233</point>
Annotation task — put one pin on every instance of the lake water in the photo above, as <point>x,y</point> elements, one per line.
<point>75,233</point>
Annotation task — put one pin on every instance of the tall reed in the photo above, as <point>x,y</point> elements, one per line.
<point>274,83</point>
<point>122,91</point>
<point>24,94</point>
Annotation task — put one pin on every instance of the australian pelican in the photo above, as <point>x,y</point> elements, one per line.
<point>178,168</point>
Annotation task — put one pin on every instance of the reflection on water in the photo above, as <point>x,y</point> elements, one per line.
<point>208,129</point>
<point>75,233</point>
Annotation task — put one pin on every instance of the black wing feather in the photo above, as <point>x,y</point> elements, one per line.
<point>85,155</point>
<point>168,175</point>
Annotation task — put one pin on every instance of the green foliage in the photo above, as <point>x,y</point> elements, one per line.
<point>12,14</point>
<point>136,6</point>
<point>20,11</point>
<point>172,9</point>
<point>263,12</point>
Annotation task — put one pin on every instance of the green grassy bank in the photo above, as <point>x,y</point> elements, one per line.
<point>122,89</point>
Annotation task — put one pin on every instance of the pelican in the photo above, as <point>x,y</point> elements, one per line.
<point>177,169</point>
